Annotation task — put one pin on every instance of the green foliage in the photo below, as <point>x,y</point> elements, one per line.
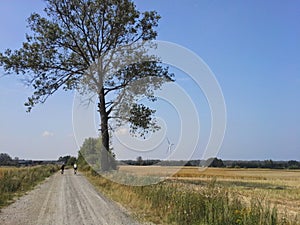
<point>81,161</point>
<point>139,160</point>
<point>270,164</point>
<point>293,164</point>
<point>211,162</point>
<point>73,36</point>
<point>14,181</point>
<point>71,161</point>
<point>67,160</point>
<point>90,154</point>
<point>76,45</point>
<point>64,159</point>
<point>215,162</point>
<point>141,118</point>
<point>5,159</point>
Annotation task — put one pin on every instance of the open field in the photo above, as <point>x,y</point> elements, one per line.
<point>281,187</point>
<point>16,181</point>
<point>212,196</point>
<point>187,196</point>
<point>258,174</point>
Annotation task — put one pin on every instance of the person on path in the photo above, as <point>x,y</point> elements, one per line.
<point>75,168</point>
<point>62,168</point>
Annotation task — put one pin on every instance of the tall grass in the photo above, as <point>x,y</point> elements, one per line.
<point>173,203</point>
<point>15,181</point>
<point>210,206</point>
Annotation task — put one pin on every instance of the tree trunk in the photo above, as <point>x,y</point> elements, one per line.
<point>105,154</point>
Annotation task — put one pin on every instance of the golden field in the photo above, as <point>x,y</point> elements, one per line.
<point>280,187</point>
<point>16,181</point>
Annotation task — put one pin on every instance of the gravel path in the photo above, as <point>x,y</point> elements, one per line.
<point>64,199</point>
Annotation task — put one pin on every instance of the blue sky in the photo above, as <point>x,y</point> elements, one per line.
<point>253,48</point>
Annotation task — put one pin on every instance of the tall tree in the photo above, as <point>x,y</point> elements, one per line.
<point>5,159</point>
<point>75,46</point>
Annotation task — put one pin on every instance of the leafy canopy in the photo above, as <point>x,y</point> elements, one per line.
<point>75,45</point>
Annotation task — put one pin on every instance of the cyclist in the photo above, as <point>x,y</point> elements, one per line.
<point>75,168</point>
<point>62,168</point>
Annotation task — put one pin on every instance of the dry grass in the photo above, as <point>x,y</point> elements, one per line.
<point>16,181</point>
<point>194,172</point>
<point>3,170</point>
<point>280,187</point>
<point>192,200</point>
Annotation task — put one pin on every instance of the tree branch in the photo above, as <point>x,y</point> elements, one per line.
<point>81,53</point>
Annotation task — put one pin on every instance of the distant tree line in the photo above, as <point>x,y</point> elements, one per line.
<point>7,160</point>
<point>67,160</point>
<point>89,149</point>
<point>141,162</point>
<point>269,164</point>
<point>216,162</point>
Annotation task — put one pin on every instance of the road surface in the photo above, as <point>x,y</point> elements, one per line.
<point>64,199</point>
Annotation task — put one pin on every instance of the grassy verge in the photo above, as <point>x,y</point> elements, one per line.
<point>171,202</point>
<point>16,181</point>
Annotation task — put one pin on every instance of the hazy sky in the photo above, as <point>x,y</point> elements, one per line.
<point>252,47</point>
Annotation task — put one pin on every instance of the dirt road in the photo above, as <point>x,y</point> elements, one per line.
<point>64,199</point>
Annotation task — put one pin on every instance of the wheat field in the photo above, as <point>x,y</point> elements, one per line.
<point>281,186</point>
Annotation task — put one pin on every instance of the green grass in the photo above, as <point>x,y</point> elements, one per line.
<point>16,181</point>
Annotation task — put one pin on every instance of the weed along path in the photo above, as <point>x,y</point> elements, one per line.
<point>64,199</point>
